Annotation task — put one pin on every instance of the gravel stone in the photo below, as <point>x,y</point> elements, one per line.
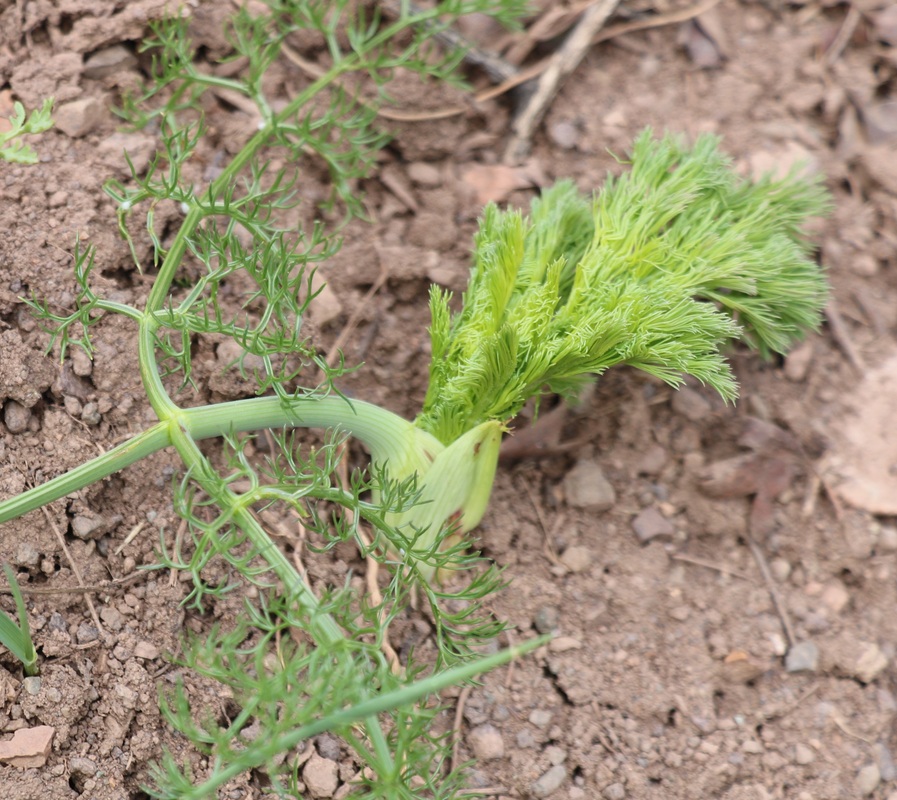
<point>146,650</point>
<point>16,417</point>
<point>546,619</point>
<point>803,657</point>
<point>486,742</point>
<point>328,746</point>
<point>835,597</point>
<point>109,61</point>
<point>691,405</point>
<point>577,558</point>
<point>616,791</point>
<point>780,569</point>
<point>540,717</point>
<point>803,754</point>
<point>870,664</point>
<point>586,487</point>
<point>88,527</point>
<point>549,782</point>
<point>887,539</point>
<point>797,362</point>
<point>80,765</point>
<point>82,364</point>
<point>867,779</point>
<point>424,174</point>
<point>321,776</point>
<point>78,118</point>
<point>555,755</point>
<point>653,460</point>
<point>651,524</point>
<point>27,555</point>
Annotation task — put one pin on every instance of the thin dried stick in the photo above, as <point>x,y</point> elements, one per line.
<point>354,318</point>
<point>456,726</point>
<point>700,562</point>
<point>842,38</point>
<point>563,62</point>
<point>76,571</point>
<point>371,573</point>
<point>777,601</point>
<point>842,336</point>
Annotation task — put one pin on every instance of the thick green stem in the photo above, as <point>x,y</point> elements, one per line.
<point>118,458</point>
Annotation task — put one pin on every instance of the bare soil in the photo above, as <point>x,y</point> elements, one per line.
<point>724,628</point>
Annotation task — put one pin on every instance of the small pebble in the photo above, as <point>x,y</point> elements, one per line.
<point>27,555</point>
<point>90,414</point>
<point>88,527</point>
<point>780,569</point>
<point>540,717</point>
<point>146,650</point>
<point>616,791</point>
<point>321,776</point>
<point>546,619</point>
<point>549,782</point>
<point>803,657</point>
<point>79,117</point>
<point>586,487</point>
<point>803,754</point>
<point>652,461</point>
<point>835,596</point>
<point>691,405</point>
<point>797,362</point>
<point>16,417</point>
<point>651,524</point>
<point>80,765</point>
<point>486,742</point>
<point>577,558</point>
<point>887,539</point>
<point>32,684</point>
<point>555,755</point>
<point>867,779</point>
<point>564,134</point>
<point>424,174</point>
<point>870,664</point>
<point>328,746</point>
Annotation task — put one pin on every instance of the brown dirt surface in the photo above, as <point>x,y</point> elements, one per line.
<point>725,555</point>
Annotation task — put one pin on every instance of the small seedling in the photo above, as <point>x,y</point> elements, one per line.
<point>661,271</point>
<point>17,638</point>
<point>12,147</point>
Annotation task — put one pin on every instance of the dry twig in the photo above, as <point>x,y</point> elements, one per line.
<point>563,62</point>
<point>76,570</point>
<point>777,601</point>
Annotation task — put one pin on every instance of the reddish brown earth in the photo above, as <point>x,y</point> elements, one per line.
<point>667,677</point>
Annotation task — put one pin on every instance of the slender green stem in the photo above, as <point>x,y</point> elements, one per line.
<point>368,709</point>
<point>118,458</point>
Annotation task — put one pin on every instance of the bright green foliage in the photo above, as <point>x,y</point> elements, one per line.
<point>668,264</point>
<point>240,232</point>
<point>583,285</point>
<point>12,148</point>
<point>17,638</point>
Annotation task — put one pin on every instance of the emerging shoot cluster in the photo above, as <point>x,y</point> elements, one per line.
<point>661,270</point>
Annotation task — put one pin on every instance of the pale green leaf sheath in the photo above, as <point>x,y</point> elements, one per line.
<point>660,271</point>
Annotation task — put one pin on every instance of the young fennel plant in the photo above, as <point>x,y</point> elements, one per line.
<point>660,271</point>
<point>241,227</point>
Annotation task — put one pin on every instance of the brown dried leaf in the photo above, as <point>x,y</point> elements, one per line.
<point>864,448</point>
<point>701,48</point>
<point>494,182</point>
